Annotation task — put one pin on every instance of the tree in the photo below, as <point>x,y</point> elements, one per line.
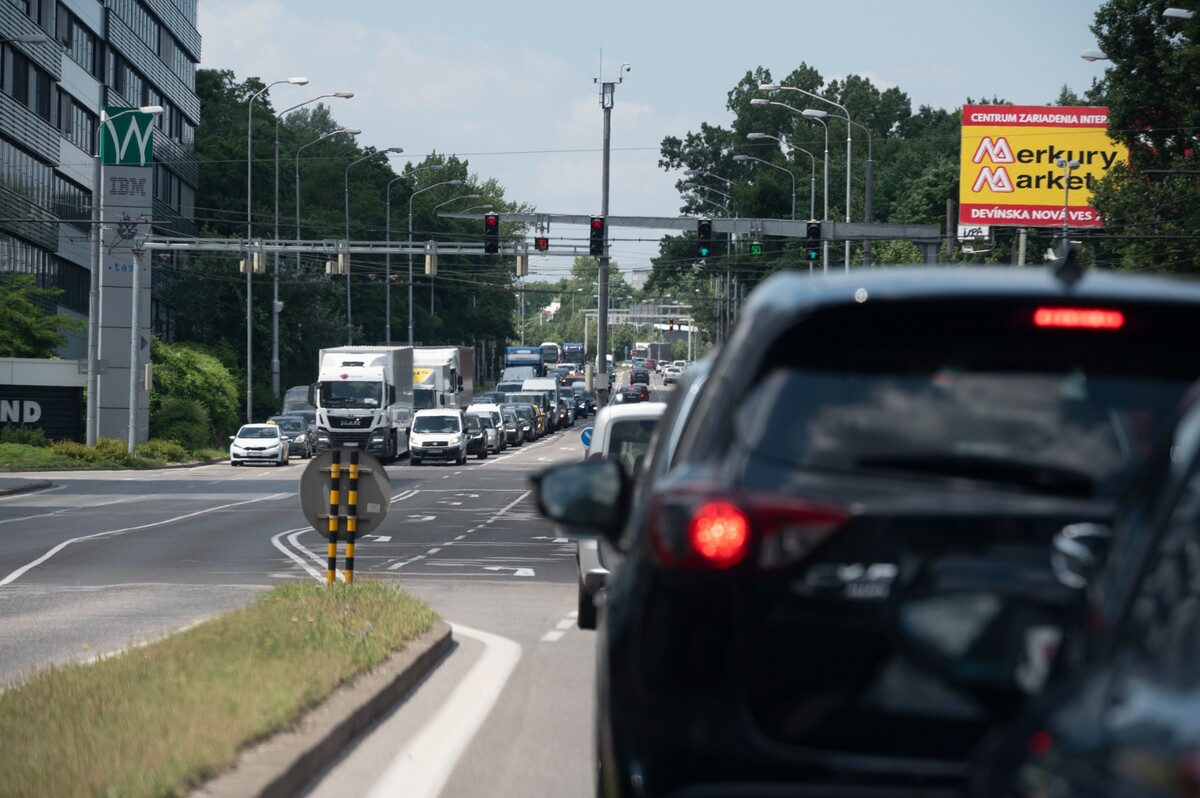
<point>1151,205</point>
<point>29,327</point>
<point>190,372</point>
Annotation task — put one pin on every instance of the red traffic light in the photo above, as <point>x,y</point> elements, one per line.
<point>491,234</point>
<point>491,220</point>
<point>596,238</point>
<point>541,243</point>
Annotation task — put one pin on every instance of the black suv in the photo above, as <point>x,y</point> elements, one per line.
<point>843,578</point>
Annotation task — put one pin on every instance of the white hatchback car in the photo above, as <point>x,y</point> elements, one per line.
<point>620,432</point>
<point>258,443</point>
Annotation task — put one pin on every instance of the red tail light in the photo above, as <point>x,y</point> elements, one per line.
<point>716,529</point>
<point>1040,743</point>
<point>1079,318</point>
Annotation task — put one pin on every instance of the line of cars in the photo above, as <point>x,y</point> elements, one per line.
<point>274,442</point>
<point>952,549</point>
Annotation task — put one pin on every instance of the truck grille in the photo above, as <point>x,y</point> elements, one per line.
<point>340,438</point>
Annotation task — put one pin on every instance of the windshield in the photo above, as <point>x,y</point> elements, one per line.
<point>1072,433</point>
<point>258,432</point>
<point>350,393</point>
<point>423,399</point>
<point>436,424</point>
<point>290,424</point>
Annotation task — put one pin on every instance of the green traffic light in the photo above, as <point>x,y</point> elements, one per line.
<point>704,252</point>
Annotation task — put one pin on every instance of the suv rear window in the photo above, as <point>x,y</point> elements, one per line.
<point>970,390</point>
<point>628,441</point>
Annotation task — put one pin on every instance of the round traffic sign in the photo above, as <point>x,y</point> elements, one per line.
<point>374,492</point>
<point>586,436</point>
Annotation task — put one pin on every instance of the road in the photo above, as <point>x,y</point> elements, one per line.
<point>107,560</point>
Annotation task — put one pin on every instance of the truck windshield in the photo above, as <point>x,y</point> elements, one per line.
<point>349,393</point>
<point>423,398</point>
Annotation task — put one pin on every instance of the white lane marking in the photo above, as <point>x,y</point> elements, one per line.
<point>565,624</point>
<point>294,534</point>
<point>553,637</point>
<point>58,512</point>
<point>516,571</point>
<point>17,574</point>
<point>408,494</point>
<point>422,768</point>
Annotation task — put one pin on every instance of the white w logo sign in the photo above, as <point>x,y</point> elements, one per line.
<point>124,127</point>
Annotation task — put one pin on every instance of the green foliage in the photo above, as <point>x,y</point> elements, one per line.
<point>29,327</point>
<point>169,451</point>
<point>189,372</point>
<point>182,421</point>
<point>107,453</point>
<point>1151,205</point>
<point>30,436</point>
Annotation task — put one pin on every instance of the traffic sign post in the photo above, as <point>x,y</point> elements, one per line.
<point>586,436</point>
<point>357,510</point>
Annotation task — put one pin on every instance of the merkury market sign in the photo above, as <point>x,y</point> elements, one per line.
<point>1009,173</point>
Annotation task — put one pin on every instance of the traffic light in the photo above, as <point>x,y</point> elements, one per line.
<point>541,243</point>
<point>812,241</point>
<point>704,242</point>
<point>491,233</point>
<point>670,324</point>
<point>596,238</point>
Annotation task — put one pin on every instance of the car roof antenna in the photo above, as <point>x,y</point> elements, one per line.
<point>1068,266</point>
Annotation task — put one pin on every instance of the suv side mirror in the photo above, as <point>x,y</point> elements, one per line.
<point>1077,551</point>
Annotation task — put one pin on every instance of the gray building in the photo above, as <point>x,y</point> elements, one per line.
<point>61,61</point>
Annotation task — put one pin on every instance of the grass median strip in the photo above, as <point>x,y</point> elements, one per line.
<point>161,719</point>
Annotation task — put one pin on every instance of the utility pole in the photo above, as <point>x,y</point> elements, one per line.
<point>606,102</point>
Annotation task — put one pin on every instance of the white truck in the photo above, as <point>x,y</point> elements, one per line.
<point>443,376</point>
<point>364,398</point>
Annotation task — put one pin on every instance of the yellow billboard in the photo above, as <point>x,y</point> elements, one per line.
<point>1028,165</point>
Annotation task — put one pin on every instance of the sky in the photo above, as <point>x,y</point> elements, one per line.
<point>511,87</point>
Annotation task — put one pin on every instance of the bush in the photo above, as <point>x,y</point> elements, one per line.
<point>170,451</point>
<point>183,421</point>
<point>30,436</point>
<point>107,452</point>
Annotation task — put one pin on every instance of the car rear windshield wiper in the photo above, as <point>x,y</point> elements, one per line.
<point>1033,476</point>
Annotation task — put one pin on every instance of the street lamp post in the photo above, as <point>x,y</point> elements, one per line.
<point>435,209</point>
<point>1067,167</point>
<point>387,293</point>
<point>774,166</point>
<point>93,361</point>
<point>353,131</point>
<point>275,305</point>
<point>346,195</point>
<point>849,140</point>
<point>250,235</point>
<point>454,182</point>
<point>812,187</point>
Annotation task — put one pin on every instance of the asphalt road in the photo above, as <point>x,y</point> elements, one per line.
<point>102,561</point>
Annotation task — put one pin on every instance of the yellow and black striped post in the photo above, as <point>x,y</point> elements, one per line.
<point>335,501</point>
<point>351,515</point>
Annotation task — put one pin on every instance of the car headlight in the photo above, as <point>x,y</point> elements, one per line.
<point>455,439</point>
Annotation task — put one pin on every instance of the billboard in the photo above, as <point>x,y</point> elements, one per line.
<point>1015,164</point>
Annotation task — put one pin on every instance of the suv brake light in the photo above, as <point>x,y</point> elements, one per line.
<point>1079,318</point>
<point>715,529</point>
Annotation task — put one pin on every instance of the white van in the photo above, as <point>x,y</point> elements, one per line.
<point>549,386</point>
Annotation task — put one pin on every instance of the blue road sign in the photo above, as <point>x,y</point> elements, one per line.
<point>586,436</point>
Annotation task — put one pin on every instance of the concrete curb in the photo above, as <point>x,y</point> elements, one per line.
<point>280,766</point>
<point>26,487</point>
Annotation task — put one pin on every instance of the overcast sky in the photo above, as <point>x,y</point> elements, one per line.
<point>509,87</point>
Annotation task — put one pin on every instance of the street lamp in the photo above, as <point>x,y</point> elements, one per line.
<point>93,361</point>
<point>346,195</point>
<point>250,235</point>
<point>1094,55</point>
<point>387,291</point>
<point>774,166</point>
<point>275,305</point>
<point>1178,13</point>
<point>812,183</point>
<point>849,141</point>
<point>454,182</point>
<point>1067,167</point>
<point>435,208</point>
<point>353,131</point>
<point>25,38</point>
